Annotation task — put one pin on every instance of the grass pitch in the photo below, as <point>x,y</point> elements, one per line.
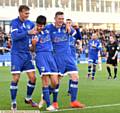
<point>99,92</point>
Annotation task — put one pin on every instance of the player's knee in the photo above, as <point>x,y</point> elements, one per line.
<point>45,80</point>
<point>45,83</point>
<point>15,78</point>
<point>33,79</point>
<point>55,83</point>
<point>75,77</point>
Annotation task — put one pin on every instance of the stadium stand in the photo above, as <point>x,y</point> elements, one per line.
<point>94,9</point>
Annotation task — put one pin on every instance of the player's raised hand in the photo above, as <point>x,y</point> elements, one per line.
<point>33,31</point>
<point>34,40</point>
<point>93,45</point>
<point>68,27</point>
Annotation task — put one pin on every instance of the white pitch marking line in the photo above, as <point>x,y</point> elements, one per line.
<point>88,107</point>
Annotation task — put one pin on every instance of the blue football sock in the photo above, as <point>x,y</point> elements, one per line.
<point>55,93</point>
<point>94,70</point>
<point>51,89</point>
<point>46,95</point>
<point>89,69</point>
<point>93,73</point>
<point>30,89</point>
<point>13,91</point>
<point>74,90</point>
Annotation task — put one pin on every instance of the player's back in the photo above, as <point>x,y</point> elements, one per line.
<point>19,35</point>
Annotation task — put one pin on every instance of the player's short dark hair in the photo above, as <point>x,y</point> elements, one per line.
<point>25,7</point>
<point>59,13</point>
<point>41,20</point>
<point>68,19</point>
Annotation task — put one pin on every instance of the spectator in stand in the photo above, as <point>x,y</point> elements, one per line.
<point>1,42</point>
<point>9,43</point>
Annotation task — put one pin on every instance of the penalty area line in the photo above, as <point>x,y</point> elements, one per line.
<point>88,107</point>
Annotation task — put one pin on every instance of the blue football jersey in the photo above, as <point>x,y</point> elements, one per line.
<point>72,41</point>
<point>19,35</point>
<point>93,51</point>
<point>44,42</point>
<point>78,34</point>
<point>60,38</point>
<point>72,46</point>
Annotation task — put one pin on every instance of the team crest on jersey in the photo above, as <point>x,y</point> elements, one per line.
<point>42,69</point>
<point>28,26</point>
